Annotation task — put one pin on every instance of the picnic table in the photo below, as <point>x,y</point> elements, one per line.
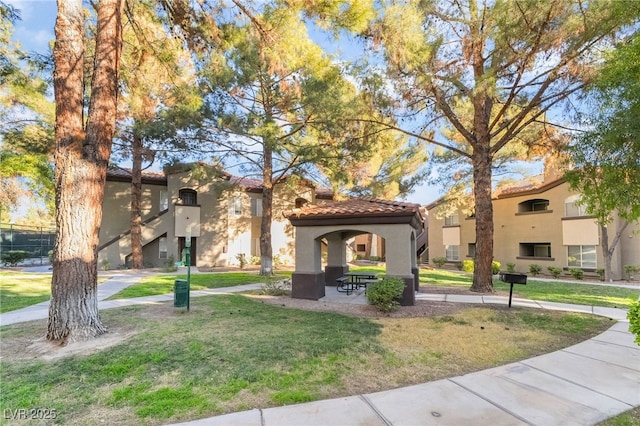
<point>354,280</point>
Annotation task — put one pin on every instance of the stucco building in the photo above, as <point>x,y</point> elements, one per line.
<point>540,224</point>
<point>221,212</point>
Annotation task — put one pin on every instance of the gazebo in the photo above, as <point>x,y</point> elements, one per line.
<point>333,223</point>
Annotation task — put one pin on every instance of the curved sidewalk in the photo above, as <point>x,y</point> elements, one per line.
<point>579,385</point>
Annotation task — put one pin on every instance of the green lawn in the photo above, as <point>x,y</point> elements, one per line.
<point>18,290</point>
<point>579,294</point>
<point>232,353</point>
<point>163,284</point>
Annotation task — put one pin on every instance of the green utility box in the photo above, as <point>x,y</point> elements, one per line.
<point>181,294</point>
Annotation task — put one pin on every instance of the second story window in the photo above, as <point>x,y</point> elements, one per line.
<point>537,205</point>
<point>256,207</point>
<point>188,197</point>
<point>451,220</point>
<point>572,207</point>
<point>235,206</point>
<point>164,200</point>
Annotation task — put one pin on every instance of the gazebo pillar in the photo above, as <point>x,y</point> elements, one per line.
<point>399,263</point>
<point>307,281</point>
<point>336,258</point>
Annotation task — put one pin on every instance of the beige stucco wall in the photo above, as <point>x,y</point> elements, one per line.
<point>550,226</point>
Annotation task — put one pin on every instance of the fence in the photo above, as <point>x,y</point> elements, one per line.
<point>36,240</point>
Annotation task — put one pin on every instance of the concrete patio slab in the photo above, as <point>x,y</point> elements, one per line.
<point>613,354</point>
<point>350,411</point>
<point>540,398</point>
<point>591,374</point>
<point>438,403</point>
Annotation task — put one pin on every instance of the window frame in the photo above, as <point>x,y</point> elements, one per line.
<point>455,249</point>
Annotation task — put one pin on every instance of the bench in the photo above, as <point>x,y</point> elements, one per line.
<point>344,285</point>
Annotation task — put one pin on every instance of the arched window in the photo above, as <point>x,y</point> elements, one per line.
<point>301,202</point>
<point>188,197</point>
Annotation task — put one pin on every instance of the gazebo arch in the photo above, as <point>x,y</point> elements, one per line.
<point>336,222</point>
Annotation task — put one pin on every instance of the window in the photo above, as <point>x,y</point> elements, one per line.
<point>451,220</point>
<point>256,207</point>
<point>361,247</point>
<point>572,209</point>
<point>235,206</point>
<point>301,202</point>
<point>452,253</point>
<point>537,205</point>
<point>581,256</point>
<point>471,250</point>
<point>164,199</point>
<point>188,197</point>
<point>541,250</point>
<point>162,248</point>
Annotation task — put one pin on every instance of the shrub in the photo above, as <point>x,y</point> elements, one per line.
<point>459,266</point>
<point>170,264</point>
<point>535,269</point>
<point>50,256</point>
<point>105,264</point>
<point>384,294</point>
<point>439,261</point>
<point>242,260</point>
<point>554,271</point>
<point>13,257</point>
<point>600,273</point>
<point>511,267</point>
<point>468,265</point>
<point>629,270</point>
<point>277,287</point>
<point>495,267</point>
<point>255,260</point>
<point>577,273</point>
<point>634,320</point>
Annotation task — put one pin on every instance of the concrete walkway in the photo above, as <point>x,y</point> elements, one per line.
<point>579,385</point>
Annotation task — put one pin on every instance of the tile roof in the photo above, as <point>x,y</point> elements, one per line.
<point>121,174</point>
<point>356,207</point>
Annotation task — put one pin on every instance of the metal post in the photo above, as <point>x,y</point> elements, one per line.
<point>187,247</point>
<point>510,293</point>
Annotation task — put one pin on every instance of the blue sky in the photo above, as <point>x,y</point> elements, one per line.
<point>35,32</point>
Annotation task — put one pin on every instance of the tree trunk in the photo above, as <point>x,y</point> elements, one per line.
<point>609,249</point>
<point>137,260</point>
<point>81,163</point>
<point>266,250</point>
<point>482,273</point>
<point>367,247</point>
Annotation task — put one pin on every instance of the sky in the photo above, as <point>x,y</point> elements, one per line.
<point>35,33</point>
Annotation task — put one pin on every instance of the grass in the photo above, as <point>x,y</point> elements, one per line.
<point>21,289</point>
<point>233,353</point>
<point>18,290</point>
<point>163,284</point>
<point>561,292</point>
<point>628,418</point>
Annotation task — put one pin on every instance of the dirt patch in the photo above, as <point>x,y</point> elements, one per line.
<point>422,308</point>
<point>22,348</point>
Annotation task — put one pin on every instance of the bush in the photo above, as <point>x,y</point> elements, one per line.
<point>554,271</point>
<point>439,261</point>
<point>13,257</point>
<point>459,266</point>
<point>277,287</point>
<point>577,273</point>
<point>495,267</point>
<point>535,269</point>
<point>468,265</point>
<point>511,267</point>
<point>629,270</point>
<point>170,264</point>
<point>242,260</point>
<point>384,294</point>
<point>600,273</point>
<point>255,260</point>
<point>634,320</point>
